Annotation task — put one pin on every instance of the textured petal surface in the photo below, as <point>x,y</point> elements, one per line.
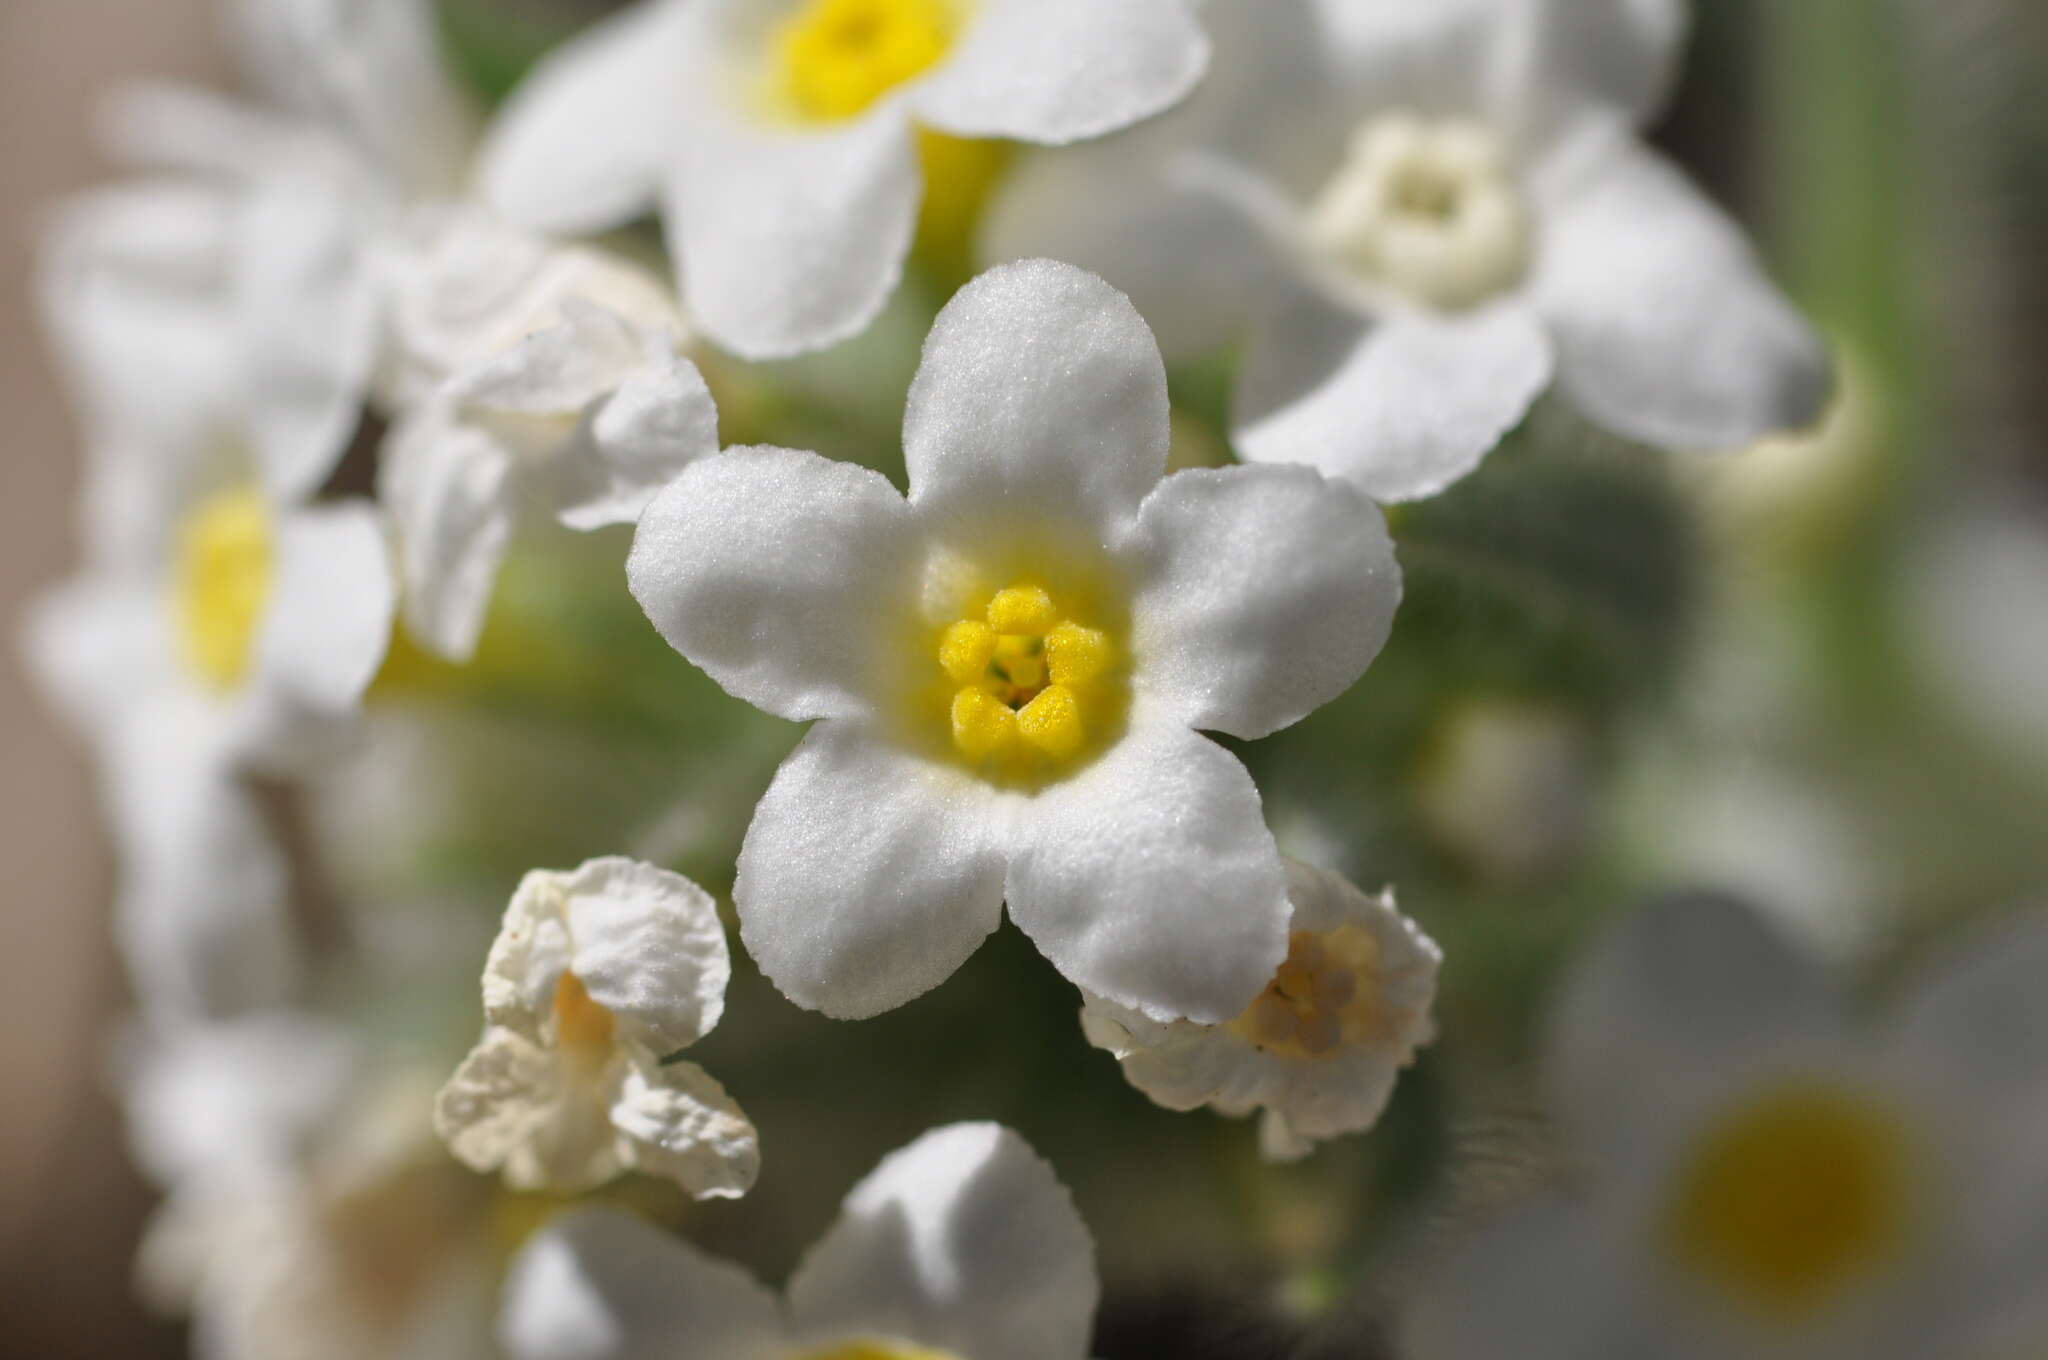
<point>867,876</point>
<point>1042,393</point>
<point>333,598</point>
<point>1403,406</point>
<point>1667,330</point>
<point>516,1106</point>
<point>581,146</point>
<point>649,948</point>
<point>1150,878</point>
<point>1264,592</point>
<point>773,571</point>
<point>560,369</point>
<point>448,488</point>
<point>789,242</point>
<point>965,1242</point>
<point>682,1125</point>
<point>603,1285</point>
<point>1060,70</point>
<point>659,421</point>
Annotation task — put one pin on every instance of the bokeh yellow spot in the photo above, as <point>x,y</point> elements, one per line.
<point>1793,1198</point>
<point>873,1349</point>
<point>221,582</point>
<point>834,58</point>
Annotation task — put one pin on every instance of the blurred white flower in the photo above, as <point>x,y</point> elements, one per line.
<point>1012,666</point>
<point>1424,211</point>
<point>596,977</point>
<point>1321,1046</point>
<point>776,135</point>
<point>1760,1180</point>
<point>961,1246</point>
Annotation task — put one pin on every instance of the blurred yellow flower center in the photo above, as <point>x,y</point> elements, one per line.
<point>1323,997</point>
<point>1027,678</point>
<point>221,583</point>
<point>870,1349</point>
<point>836,57</point>
<point>1426,208</point>
<point>581,1024</point>
<point>1792,1198</point>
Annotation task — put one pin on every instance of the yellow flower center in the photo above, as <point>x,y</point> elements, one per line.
<point>1031,686</point>
<point>833,58</point>
<point>221,583</point>
<point>581,1025</point>
<point>1792,1198</point>
<point>874,1349</point>
<point>1323,997</point>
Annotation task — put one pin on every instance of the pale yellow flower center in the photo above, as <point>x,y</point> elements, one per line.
<point>221,582</point>
<point>1428,209</point>
<point>581,1025</point>
<point>1324,997</point>
<point>1792,1198</point>
<point>1033,687</point>
<point>868,1348</point>
<point>834,58</point>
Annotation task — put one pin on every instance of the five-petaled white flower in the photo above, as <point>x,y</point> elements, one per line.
<point>1321,1046</point>
<point>1426,211</point>
<point>597,978</point>
<point>961,1246</point>
<point>1011,666</point>
<point>1761,1180</point>
<point>776,135</point>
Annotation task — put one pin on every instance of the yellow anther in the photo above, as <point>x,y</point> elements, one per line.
<point>1320,1032</point>
<point>1052,722</point>
<point>1272,1020</point>
<point>1023,609</point>
<point>1075,655</point>
<point>982,724</point>
<point>581,1025</point>
<point>1335,988</point>
<point>1020,662</point>
<point>965,649</point>
<point>222,583</point>
<point>837,57</point>
<point>1294,982</point>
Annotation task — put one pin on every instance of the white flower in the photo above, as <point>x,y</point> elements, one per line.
<point>776,135</point>
<point>1426,211</point>
<point>596,977</point>
<point>1320,1047</point>
<point>961,1246</point>
<point>1012,664</point>
<point>1758,1178</point>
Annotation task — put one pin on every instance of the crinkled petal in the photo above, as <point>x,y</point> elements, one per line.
<point>649,948</point>
<point>786,241</point>
<point>581,146</point>
<point>964,1241</point>
<point>1180,1066</point>
<point>1263,593</point>
<point>531,951</point>
<point>659,421</point>
<point>1667,329</point>
<point>509,1106</point>
<point>1678,988</point>
<point>559,369</point>
<point>1149,878</point>
<point>1041,392</point>
<point>449,490</point>
<point>1056,71</point>
<point>682,1125</point>
<point>332,601</point>
<point>601,1284</point>
<point>1403,406</point>
<point>1983,1008</point>
<point>772,571</point>
<point>867,875</point>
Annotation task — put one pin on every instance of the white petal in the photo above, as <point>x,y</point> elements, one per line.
<point>1403,406</point>
<point>1982,1008</point>
<point>581,145</point>
<point>649,948</point>
<point>1675,990</point>
<point>964,1241</point>
<point>1149,878</point>
<point>309,314</point>
<point>1574,60</point>
<point>1180,1066</point>
<point>332,601</point>
<point>1666,328</point>
<point>511,1105</point>
<point>1056,71</point>
<point>90,641</point>
<point>558,370</point>
<point>1041,392</point>
<point>531,951</point>
<point>603,1285</point>
<point>774,571</point>
<point>791,241</point>
<point>659,421</point>
<point>867,876</point>
<point>1262,594</point>
<point>448,488</point>
<point>682,1125</point>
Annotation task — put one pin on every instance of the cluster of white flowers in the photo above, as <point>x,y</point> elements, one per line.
<point>335,351</point>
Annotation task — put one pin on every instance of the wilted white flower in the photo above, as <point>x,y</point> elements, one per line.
<point>1759,1179</point>
<point>596,977</point>
<point>1321,1046</point>
<point>1012,666</point>
<point>776,135</point>
<point>1425,211</point>
<point>961,1246</point>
